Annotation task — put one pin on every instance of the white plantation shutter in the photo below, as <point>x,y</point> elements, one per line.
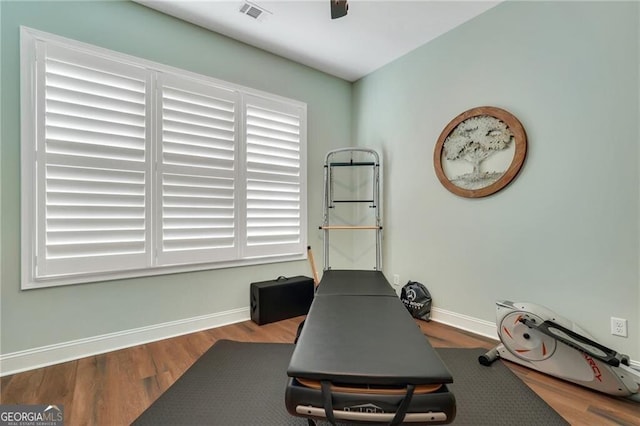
<point>133,168</point>
<point>92,169</point>
<point>196,166</point>
<point>275,216</point>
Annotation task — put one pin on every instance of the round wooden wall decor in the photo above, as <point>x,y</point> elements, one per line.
<point>480,152</point>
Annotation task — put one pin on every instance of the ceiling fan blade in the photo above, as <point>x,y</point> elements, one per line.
<point>339,8</point>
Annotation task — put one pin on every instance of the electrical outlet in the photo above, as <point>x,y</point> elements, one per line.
<point>619,326</point>
<point>396,279</point>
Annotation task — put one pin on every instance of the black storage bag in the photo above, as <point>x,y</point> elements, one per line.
<point>417,299</point>
<point>280,299</point>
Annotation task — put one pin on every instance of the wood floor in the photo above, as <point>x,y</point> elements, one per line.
<point>116,387</point>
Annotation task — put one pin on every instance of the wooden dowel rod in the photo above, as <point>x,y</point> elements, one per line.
<point>316,280</point>
<point>351,227</point>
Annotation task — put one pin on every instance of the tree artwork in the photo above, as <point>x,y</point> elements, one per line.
<point>474,140</point>
<point>491,140</point>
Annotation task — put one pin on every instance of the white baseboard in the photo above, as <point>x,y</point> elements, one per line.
<point>465,322</point>
<point>30,359</point>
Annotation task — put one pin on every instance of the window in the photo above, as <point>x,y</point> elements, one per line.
<point>132,168</point>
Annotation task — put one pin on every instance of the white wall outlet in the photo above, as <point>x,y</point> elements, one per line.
<point>619,326</point>
<point>396,279</point>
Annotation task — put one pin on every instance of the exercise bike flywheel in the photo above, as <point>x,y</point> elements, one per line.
<point>523,341</point>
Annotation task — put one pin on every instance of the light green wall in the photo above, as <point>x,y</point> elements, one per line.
<point>565,233</point>
<point>31,319</point>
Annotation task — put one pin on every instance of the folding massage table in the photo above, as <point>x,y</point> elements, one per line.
<point>361,358</point>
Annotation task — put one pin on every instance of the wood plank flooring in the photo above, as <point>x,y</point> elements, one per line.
<point>116,387</point>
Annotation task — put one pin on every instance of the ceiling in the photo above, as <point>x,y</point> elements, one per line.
<point>372,34</point>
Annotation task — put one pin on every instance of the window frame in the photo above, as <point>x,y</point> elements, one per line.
<point>32,123</point>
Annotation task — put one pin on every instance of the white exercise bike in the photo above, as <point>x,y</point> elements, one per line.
<point>536,337</point>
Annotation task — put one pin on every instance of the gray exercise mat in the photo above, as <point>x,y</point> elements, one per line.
<point>239,383</point>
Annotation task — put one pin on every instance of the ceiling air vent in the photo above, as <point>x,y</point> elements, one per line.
<point>253,10</point>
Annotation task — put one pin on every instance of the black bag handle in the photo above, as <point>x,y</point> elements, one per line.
<point>404,406</point>
<point>328,403</point>
<point>282,278</point>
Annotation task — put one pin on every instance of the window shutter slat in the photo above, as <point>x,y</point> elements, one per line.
<point>197,170</point>
<point>74,252</point>
<point>88,100</point>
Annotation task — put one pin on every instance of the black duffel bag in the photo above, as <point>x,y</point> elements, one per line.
<point>417,299</point>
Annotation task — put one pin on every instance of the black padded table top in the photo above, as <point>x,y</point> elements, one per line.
<point>365,340</point>
<point>354,282</point>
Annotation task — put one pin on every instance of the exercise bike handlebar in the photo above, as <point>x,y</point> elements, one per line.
<point>577,341</point>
